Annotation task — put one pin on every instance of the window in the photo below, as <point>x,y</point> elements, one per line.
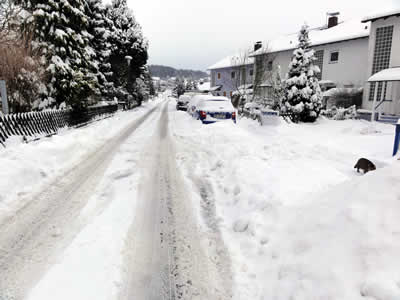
<point>381,61</point>
<point>269,66</point>
<point>219,75</point>
<point>319,55</point>
<point>251,72</point>
<point>233,75</point>
<point>334,57</point>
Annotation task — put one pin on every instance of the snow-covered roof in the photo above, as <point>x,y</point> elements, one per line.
<point>215,88</point>
<point>392,74</point>
<point>348,30</point>
<point>233,61</point>
<point>246,86</point>
<point>204,86</point>
<point>326,82</point>
<point>335,91</point>
<point>385,14</point>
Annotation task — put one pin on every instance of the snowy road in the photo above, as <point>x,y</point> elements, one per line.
<point>173,263</point>
<point>170,209</point>
<point>30,239</point>
<point>131,191</point>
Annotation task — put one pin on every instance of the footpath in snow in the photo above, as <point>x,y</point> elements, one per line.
<point>298,221</point>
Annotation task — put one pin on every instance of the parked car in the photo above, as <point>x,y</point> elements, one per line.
<point>211,109</point>
<point>182,102</point>
<point>191,109</point>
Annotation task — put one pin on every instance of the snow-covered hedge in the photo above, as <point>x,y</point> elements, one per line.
<point>340,113</point>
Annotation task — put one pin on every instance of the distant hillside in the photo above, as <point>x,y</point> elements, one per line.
<point>164,72</point>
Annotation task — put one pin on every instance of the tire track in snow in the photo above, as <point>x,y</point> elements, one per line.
<point>31,239</point>
<point>164,249</point>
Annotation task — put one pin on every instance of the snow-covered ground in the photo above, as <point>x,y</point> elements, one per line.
<point>273,212</point>
<point>66,207</point>
<point>27,168</point>
<point>298,221</point>
<point>92,267</point>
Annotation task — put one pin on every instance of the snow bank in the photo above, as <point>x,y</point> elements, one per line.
<point>27,168</point>
<point>299,222</point>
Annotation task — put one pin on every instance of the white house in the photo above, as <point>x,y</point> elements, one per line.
<point>341,50</point>
<point>383,62</point>
<point>231,74</point>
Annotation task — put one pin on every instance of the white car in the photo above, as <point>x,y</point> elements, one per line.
<point>182,102</point>
<point>211,109</point>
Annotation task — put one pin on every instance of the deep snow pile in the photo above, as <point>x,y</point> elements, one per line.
<point>298,221</point>
<point>27,168</point>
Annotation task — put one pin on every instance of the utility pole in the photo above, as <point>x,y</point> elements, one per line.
<point>4,102</point>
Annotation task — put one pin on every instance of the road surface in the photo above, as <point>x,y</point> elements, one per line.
<point>166,248</point>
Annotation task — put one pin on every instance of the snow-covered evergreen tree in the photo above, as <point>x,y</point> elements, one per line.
<point>302,94</point>
<point>99,28</point>
<point>129,47</point>
<point>189,85</point>
<point>60,34</point>
<point>180,87</point>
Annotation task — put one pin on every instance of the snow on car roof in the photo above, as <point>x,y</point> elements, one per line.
<point>233,61</point>
<point>392,74</point>
<point>348,30</point>
<point>204,86</point>
<point>211,98</point>
<point>384,14</point>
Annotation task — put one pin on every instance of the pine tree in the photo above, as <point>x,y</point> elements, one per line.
<point>129,47</point>
<point>179,87</point>
<point>100,31</point>
<point>60,34</point>
<point>189,85</point>
<point>195,86</point>
<point>302,94</point>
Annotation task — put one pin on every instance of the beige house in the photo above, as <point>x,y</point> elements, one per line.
<point>383,62</point>
<point>341,49</point>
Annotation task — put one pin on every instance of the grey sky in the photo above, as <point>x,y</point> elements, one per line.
<point>195,34</point>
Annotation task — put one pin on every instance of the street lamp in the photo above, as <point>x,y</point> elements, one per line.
<point>4,102</point>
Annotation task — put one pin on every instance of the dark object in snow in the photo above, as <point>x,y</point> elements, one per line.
<point>365,165</point>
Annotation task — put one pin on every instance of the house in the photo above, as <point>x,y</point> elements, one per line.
<point>231,73</point>
<point>341,49</point>
<point>383,65</point>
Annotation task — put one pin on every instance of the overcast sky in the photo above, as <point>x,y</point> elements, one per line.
<point>196,34</point>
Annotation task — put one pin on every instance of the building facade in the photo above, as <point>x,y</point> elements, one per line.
<point>383,53</point>
<point>231,74</point>
<point>341,51</point>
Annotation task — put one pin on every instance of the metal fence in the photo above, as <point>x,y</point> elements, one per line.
<point>34,125</point>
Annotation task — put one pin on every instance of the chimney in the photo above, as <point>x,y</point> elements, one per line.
<point>333,19</point>
<point>257,46</point>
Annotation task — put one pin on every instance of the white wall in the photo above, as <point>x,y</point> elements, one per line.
<point>393,91</point>
<point>351,69</point>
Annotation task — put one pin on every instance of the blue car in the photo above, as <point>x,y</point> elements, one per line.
<point>210,109</point>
